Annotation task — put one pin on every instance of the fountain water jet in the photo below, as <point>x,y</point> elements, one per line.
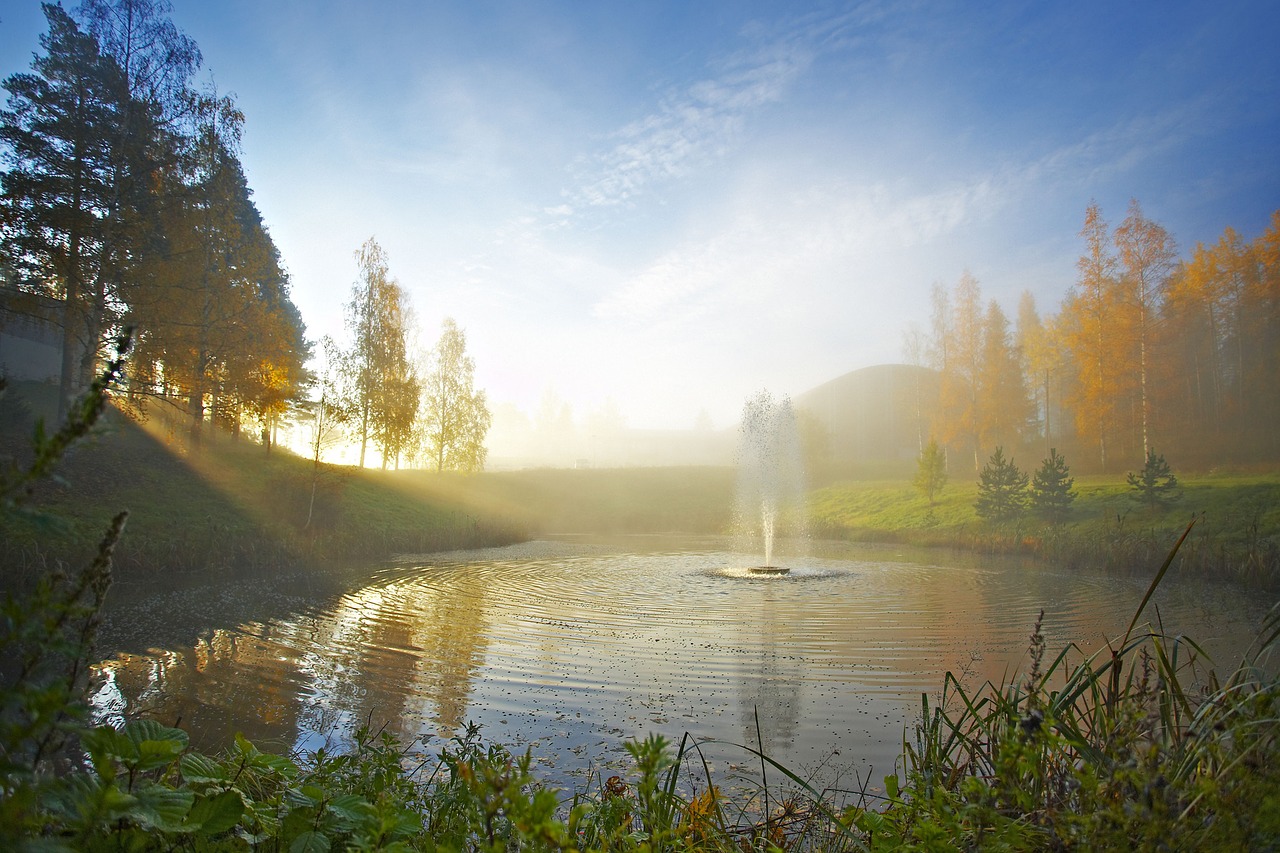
<point>770,475</point>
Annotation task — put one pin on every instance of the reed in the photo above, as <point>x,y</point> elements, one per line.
<point>1138,742</point>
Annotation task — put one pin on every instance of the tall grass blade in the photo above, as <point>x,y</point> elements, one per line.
<point>1155,582</point>
<point>817,799</point>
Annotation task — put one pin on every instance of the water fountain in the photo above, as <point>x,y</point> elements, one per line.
<point>770,475</point>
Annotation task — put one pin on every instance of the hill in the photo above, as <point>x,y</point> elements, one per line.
<point>873,418</point>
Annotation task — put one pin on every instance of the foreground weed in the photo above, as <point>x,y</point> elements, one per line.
<point>1121,751</point>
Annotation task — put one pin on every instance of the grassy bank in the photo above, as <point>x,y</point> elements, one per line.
<point>1237,531</point>
<point>229,507</point>
<point>225,507</point>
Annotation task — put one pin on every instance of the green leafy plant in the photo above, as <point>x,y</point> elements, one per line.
<point>1119,751</point>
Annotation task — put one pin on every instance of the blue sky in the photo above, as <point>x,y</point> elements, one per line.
<point>674,205</point>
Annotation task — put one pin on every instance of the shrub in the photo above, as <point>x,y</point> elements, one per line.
<point>931,472</point>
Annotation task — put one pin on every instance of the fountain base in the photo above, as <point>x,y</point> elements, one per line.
<point>768,570</point>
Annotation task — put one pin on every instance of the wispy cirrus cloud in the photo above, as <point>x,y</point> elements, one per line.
<point>701,121</point>
<point>688,129</point>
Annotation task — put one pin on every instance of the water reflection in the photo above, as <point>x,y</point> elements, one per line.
<point>770,690</point>
<point>570,648</point>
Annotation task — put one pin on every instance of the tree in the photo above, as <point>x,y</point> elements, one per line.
<point>157,58</point>
<point>455,416</point>
<point>1193,381</point>
<point>327,413</point>
<point>1053,489</point>
<point>955,351</point>
<point>213,303</point>
<point>931,470</point>
<point>1155,484</point>
<point>1047,366</point>
<point>1147,258</point>
<point>1263,367</point>
<point>1006,409</point>
<point>379,371</point>
<point>156,62</point>
<point>58,132</point>
<point>1002,489</point>
<point>394,426</point>
<point>1094,325</point>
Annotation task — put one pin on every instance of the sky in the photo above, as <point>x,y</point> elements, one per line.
<point>674,205</point>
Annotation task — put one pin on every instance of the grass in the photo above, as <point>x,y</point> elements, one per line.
<point>226,508</point>
<point>1237,534</point>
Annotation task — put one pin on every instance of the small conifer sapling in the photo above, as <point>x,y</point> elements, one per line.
<point>1002,489</point>
<point>1155,485</point>
<point>1053,488</point>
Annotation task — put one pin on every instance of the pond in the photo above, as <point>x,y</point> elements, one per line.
<point>572,646</point>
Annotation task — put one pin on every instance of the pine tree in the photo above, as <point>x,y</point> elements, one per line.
<point>57,138</point>
<point>1002,489</point>
<point>1155,485</point>
<point>1052,489</point>
<point>931,474</point>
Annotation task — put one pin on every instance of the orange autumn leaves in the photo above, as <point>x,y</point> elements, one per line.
<point>1147,352</point>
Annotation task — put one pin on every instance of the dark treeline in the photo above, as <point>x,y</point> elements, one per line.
<point>125,205</point>
<point>1148,352</point>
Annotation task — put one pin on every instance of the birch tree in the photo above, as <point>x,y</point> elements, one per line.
<point>455,416</point>
<point>1147,256</point>
<point>377,361</point>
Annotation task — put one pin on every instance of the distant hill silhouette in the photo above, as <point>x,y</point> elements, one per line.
<point>874,417</point>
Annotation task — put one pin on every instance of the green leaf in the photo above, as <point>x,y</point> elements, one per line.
<point>156,745</point>
<point>81,799</point>
<point>353,809</point>
<point>310,842</point>
<point>202,769</point>
<point>144,730</point>
<point>105,746</point>
<point>161,807</point>
<point>217,814</point>
<point>265,761</point>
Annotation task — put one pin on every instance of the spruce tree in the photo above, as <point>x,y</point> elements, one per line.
<point>1155,485</point>
<point>1053,489</point>
<point>1002,489</point>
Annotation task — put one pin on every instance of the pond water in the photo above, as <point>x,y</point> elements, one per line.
<point>572,646</point>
